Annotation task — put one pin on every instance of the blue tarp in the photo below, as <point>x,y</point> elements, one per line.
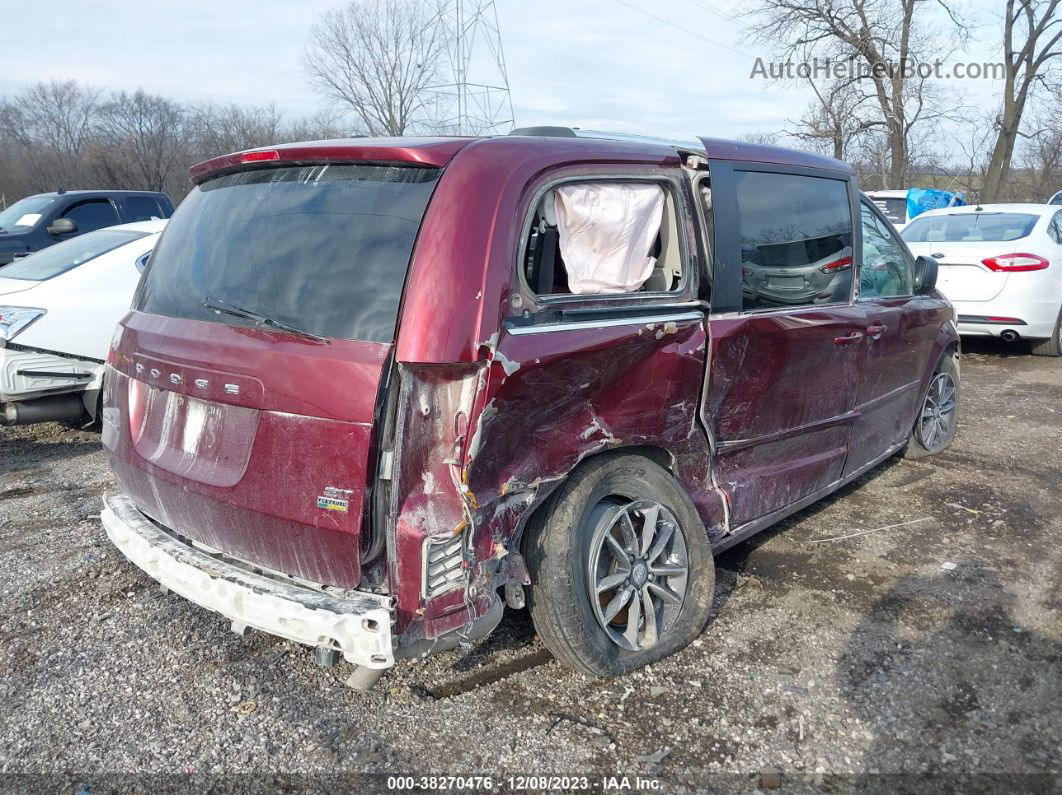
<point>921,199</point>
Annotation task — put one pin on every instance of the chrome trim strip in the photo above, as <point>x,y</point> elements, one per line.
<point>732,445</point>
<point>577,325</point>
<point>750,528</point>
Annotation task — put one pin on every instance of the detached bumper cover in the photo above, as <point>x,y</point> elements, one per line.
<point>358,623</point>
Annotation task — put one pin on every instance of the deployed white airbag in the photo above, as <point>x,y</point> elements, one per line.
<point>606,231</point>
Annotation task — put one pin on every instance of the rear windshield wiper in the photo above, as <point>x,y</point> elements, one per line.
<point>262,320</point>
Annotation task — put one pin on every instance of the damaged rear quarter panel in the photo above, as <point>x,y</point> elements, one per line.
<point>555,398</point>
<point>542,402</point>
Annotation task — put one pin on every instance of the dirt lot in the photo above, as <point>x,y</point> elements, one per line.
<point>930,646</point>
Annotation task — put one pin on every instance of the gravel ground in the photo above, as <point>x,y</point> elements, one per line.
<point>931,646</point>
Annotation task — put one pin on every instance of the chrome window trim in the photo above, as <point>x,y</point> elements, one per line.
<point>576,325</point>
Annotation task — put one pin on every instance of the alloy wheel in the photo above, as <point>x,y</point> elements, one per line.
<point>638,569</point>
<point>936,424</point>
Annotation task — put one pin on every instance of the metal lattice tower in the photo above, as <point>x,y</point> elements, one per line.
<point>477,101</point>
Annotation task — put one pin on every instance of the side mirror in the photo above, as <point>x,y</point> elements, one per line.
<point>62,226</point>
<point>925,275</point>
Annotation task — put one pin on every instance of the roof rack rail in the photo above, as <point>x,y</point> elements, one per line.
<point>576,132</point>
<point>545,131</point>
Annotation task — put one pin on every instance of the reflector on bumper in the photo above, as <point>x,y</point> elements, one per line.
<point>358,624</point>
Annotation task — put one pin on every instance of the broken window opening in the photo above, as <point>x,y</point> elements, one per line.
<point>604,238</point>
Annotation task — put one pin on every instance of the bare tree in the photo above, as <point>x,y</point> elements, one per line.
<point>769,138</point>
<point>220,129</point>
<point>319,127</point>
<point>63,135</point>
<point>1040,158</point>
<point>882,40</point>
<point>52,125</point>
<point>969,172</point>
<point>837,119</point>
<point>1032,36</point>
<point>380,61</point>
<point>142,141</point>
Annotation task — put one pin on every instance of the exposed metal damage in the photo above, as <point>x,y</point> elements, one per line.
<point>529,428</point>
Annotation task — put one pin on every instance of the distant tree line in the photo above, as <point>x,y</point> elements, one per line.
<point>63,134</point>
<point>894,124</point>
<point>381,65</point>
<point>378,64</point>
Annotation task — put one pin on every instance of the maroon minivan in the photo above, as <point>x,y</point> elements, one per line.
<point>372,391</point>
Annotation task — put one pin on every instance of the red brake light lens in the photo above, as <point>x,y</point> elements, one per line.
<point>258,157</point>
<point>1015,263</point>
<point>837,265</point>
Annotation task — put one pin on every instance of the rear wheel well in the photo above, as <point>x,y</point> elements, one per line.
<point>657,455</point>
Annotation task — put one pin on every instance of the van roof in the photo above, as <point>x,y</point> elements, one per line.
<point>439,151</point>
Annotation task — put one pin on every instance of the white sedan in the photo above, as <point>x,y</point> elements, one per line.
<point>1001,266</point>
<point>58,311</point>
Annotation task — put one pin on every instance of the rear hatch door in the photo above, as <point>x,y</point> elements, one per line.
<point>243,417</point>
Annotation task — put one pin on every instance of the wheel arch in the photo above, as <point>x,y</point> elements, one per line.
<point>658,455</point>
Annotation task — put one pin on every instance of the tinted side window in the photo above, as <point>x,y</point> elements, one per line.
<point>324,248</point>
<point>796,240</point>
<point>92,215</point>
<point>886,269</point>
<point>142,208</point>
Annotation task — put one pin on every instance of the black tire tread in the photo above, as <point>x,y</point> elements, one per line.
<point>914,450</point>
<point>1052,346</point>
<point>555,609</point>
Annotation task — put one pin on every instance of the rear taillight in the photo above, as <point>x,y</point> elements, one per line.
<point>257,157</point>
<point>837,265</point>
<point>1014,263</point>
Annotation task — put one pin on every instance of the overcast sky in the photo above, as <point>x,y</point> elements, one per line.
<point>605,64</point>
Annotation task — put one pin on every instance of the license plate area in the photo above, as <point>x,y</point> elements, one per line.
<point>785,282</point>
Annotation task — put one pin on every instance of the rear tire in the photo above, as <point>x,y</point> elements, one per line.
<point>620,539</point>
<point>937,420</point>
<point>1052,346</point>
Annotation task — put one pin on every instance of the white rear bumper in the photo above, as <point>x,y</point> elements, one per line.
<point>357,623</point>
<point>28,374</point>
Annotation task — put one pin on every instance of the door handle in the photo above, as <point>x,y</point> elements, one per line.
<point>875,332</point>
<point>855,336</point>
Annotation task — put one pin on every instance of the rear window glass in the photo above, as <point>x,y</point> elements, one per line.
<point>323,248</point>
<point>69,254</point>
<point>969,227</point>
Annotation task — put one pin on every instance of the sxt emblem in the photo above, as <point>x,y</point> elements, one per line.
<point>335,499</point>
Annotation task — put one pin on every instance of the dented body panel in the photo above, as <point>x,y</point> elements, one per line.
<point>413,467</point>
<point>218,438</point>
